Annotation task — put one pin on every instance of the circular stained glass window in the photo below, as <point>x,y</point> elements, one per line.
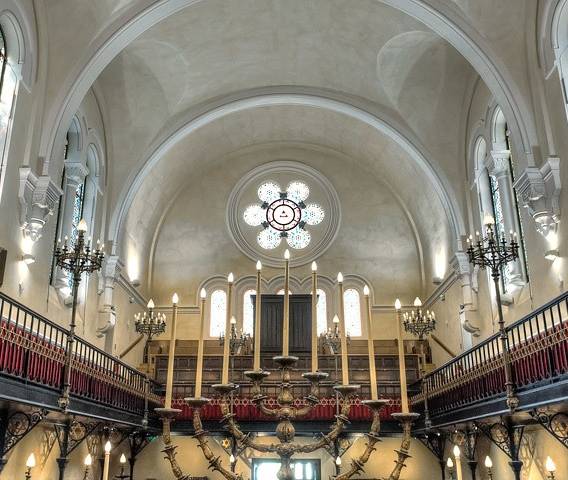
<point>283,215</point>
<point>269,238</point>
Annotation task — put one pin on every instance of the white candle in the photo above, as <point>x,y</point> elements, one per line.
<point>314,317</point>
<point>108,447</point>
<point>343,333</point>
<point>200,346</point>
<point>226,346</point>
<point>401,360</point>
<point>457,454</point>
<point>257,317</point>
<point>171,354</point>
<point>286,323</point>
<point>371,345</point>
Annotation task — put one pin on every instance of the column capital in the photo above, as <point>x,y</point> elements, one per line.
<point>38,196</point>
<point>539,192</point>
<point>75,173</point>
<point>460,263</point>
<point>498,163</point>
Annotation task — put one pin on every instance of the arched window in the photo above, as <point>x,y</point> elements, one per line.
<point>218,315</point>
<point>248,312</point>
<point>352,304</point>
<point>8,84</point>
<point>321,312</point>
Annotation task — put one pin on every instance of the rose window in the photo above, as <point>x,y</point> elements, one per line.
<point>283,215</point>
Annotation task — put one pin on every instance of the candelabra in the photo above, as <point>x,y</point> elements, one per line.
<point>550,468</point>
<point>417,322</point>
<point>87,462</point>
<point>450,465</point>
<point>488,251</point>
<point>150,324</point>
<point>78,259</point>
<point>285,413</point>
<point>122,476</point>
<point>332,338</point>
<point>237,340</point>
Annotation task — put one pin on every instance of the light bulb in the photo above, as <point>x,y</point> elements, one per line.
<point>88,460</point>
<point>314,267</point>
<point>175,299</point>
<point>457,451</point>
<point>31,461</point>
<point>231,278</point>
<point>108,447</point>
<point>397,304</point>
<point>335,319</point>
<point>232,458</point>
<point>151,303</point>
<point>82,227</point>
<point>417,302</point>
<point>203,293</point>
<point>488,462</point>
<point>339,277</point>
<point>550,465</point>
<point>287,254</point>
<point>259,265</point>
<point>122,459</point>
<point>338,461</point>
<point>450,463</point>
<point>488,219</point>
<point>233,321</point>
<point>366,291</point>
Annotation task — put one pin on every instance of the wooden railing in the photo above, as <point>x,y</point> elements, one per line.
<point>33,350</point>
<point>538,346</point>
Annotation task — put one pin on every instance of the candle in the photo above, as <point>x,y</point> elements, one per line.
<point>200,346</point>
<point>226,346</point>
<point>171,354</point>
<point>343,333</point>
<point>286,329</point>
<point>314,317</point>
<point>108,447</point>
<point>371,343</point>
<point>401,359</point>
<point>458,462</point>
<point>257,318</point>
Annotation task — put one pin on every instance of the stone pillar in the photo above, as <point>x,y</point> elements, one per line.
<point>107,315</point>
<point>499,167</point>
<point>468,311</point>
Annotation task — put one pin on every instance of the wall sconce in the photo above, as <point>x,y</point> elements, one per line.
<point>28,258</point>
<point>30,463</point>
<point>551,255</point>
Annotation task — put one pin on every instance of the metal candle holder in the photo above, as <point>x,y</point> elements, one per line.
<point>149,323</point>
<point>78,259</point>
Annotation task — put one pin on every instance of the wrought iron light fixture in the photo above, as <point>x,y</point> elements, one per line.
<point>77,259</point>
<point>417,322</point>
<point>150,323</point>
<point>237,340</point>
<point>494,252</point>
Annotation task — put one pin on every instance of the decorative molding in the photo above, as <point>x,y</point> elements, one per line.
<point>539,191</point>
<point>38,198</point>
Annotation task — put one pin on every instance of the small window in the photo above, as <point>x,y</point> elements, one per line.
<point>218,316</point>
<point>248,312</point>
<point>352,305</point>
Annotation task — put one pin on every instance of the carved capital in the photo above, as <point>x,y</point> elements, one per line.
<point>460,263</point>
<point>498,163</point>
<point>75,173</point>
<point>38,197</point>
<point>539,192</point>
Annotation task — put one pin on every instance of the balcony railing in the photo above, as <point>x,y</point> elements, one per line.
<point>538,345</point>
<point>33,350</point>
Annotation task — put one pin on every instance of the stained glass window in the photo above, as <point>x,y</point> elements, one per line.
<point>248,312</point>
<point>352,306</point>
<point>78,202</point>
<point>283,215</point>
<point>218,316</point>
<point>8,83</point>
<point>321,312</point>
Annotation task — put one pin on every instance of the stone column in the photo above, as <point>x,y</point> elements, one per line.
<point>499,167</point>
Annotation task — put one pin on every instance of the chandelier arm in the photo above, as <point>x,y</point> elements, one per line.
<point>302,412</point>
<point>215,463</point>
<point>270,412</point>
